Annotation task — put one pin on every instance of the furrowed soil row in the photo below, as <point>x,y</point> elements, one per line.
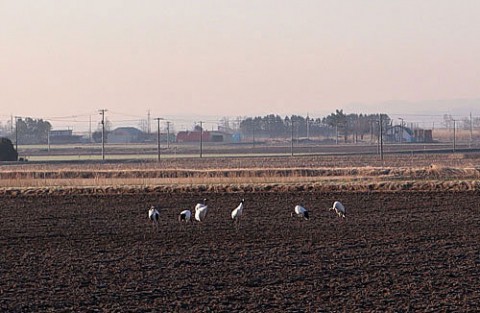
<point>396,251</point>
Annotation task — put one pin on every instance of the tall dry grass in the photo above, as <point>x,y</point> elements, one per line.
<point>461,135</point>
<point>363,171</point>
<point>67,178</point>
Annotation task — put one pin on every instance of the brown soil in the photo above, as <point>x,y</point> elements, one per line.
<point>396,252</point>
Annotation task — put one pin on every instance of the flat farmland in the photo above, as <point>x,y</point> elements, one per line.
<point>145,152</point>
<point>401,251</point>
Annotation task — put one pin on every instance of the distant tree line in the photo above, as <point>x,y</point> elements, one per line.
<point>31,131</point>
<point>337,124</point>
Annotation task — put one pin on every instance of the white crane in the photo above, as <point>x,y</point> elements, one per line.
<point>154,215</point>
<point>339,209</point>
<point>237,213</point>
<point>201,210</point>
<point>185,216</point>
<point>300,211</point>
<point>199,205</point>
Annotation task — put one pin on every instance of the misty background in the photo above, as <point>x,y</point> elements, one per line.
<point>187,61</point>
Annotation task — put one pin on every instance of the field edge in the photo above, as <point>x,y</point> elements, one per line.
<point>376,186</point>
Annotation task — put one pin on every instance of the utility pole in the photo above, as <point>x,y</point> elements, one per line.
<point>308,127</point>
<point>16,133</point>
<point>381,137</point>
<point>201,139</point>
<point>148,122</point>
<point>454,135</point>
<point>168,134</point>
<point>292,136</point>
<point>401,128</point>
<point>90,128</point>
<point>336,133</point>
<point>371,131</point>
<point>158,137</point>
<point>355,133</point>
<point>471,130</point>
<point>253,135</point>
<point>102,113</point>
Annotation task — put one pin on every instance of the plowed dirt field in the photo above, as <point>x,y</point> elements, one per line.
<point>395,252</point>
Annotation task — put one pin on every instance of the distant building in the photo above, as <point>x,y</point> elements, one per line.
<point>220,136</point>
<point>207,136</point>
<point>193,136</point>
<point>164,137</point>
<point>63,136</point>
<point>397,133</point>
<point>423,135</point>
<point>236,137</point>
<point>125,135</point>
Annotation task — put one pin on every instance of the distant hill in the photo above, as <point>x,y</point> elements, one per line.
<point>454,107</point>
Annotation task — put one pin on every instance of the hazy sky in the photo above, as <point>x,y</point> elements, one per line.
<point>228,57</point>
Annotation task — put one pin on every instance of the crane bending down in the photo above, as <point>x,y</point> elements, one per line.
<point>300,211</point>
<point>185,216</point>
<point>339,208</point>
<point>154,215</point>
<point>201,210</point>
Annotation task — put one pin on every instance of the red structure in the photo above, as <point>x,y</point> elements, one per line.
<point>193,136</point>
<point>423,135</point>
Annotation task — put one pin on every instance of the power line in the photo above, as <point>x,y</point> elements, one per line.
<point>126,114</point>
